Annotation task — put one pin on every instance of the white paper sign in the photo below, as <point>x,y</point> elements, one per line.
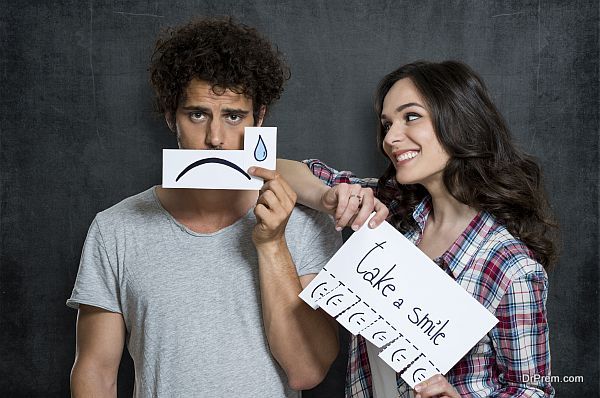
<point>222,169</point>
<point>401,301</point>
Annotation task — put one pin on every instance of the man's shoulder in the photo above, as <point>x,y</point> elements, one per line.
<point>306,222</point>
<point>312,239</point>
<point>302,215</point>
<point>133,208</point>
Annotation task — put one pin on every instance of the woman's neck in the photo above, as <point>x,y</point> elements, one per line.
<point>447,220</point>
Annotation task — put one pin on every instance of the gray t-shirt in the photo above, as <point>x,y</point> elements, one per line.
<point>190,301</point>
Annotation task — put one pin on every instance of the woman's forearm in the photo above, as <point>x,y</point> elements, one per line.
<point>309,188</point>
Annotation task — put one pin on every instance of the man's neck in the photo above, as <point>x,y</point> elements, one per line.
<point>206,210</point>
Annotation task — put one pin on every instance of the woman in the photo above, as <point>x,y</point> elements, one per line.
<point>459,189</point>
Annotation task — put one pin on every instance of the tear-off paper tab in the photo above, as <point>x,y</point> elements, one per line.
<point>381,286</point>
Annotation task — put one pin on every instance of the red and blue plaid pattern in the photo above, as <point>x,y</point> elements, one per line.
<point>513,359</point>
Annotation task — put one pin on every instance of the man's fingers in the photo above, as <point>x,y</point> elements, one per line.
<point>262,212</point>
<point>275,182</point>
<point>263,173</point>
<point>281,191</point>
<point>268,199</point>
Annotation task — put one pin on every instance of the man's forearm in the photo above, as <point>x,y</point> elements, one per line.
<point>303,341</point>
<point>87,381</point>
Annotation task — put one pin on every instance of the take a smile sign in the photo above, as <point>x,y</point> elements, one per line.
<point>222,169</point>
<point>381,286</point>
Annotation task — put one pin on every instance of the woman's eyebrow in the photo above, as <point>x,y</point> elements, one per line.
<point>402,107</point>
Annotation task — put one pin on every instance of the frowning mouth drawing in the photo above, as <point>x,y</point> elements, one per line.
<point>213,160</point>
<point>260,154</point>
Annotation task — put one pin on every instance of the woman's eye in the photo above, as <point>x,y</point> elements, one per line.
<point>386,126</point>
<point>412,116</point>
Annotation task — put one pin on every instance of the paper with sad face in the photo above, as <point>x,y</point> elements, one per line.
<point>222,169</point>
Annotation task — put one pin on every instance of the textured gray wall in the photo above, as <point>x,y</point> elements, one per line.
<point>75,112</point>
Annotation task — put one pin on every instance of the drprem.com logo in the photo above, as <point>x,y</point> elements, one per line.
<point>535,378</point>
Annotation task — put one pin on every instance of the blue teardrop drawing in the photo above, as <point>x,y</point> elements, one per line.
<point>260,152</point>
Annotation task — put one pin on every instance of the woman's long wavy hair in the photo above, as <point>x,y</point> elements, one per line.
<point>486,170</point>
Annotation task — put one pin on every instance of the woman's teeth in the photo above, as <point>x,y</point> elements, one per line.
<point>406,156</point>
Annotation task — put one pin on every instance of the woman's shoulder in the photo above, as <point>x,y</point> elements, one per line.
<point>507,256</point>
<point>499,260</point>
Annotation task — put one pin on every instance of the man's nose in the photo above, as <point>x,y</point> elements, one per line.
<point>214,135</point>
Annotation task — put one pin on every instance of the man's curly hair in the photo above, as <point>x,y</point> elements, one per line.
<point>226,54</point>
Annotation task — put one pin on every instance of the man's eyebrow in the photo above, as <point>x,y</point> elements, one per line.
<point>195,108</point>
<point>235,110</point>
<point>208,110</point>
<point>403,107</point>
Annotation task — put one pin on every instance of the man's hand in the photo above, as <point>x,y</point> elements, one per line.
<point>352,205</point>
<point>436,386</point>
<point>273,208</point>
<point>303,341</point>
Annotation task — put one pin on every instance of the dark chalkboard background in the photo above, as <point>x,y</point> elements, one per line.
<point>78,134</point>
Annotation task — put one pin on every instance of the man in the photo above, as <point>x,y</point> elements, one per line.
<point>203,284</point>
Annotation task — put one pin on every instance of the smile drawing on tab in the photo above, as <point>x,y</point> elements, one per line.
<point>322,288</point>
<point>419,375</point>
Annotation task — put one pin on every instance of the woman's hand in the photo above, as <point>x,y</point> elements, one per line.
<point>436,386</point>
<point>349,203</point>
<point>352,205</point>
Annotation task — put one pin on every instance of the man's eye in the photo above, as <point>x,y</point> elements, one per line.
<point>196,116</point>
<point>412,116</point>
<point>234,118</point>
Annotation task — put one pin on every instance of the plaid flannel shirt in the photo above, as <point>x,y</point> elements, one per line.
<point>513,359</point>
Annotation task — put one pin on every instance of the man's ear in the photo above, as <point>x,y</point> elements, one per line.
<point>261,115</point>
<point>170,122</point>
